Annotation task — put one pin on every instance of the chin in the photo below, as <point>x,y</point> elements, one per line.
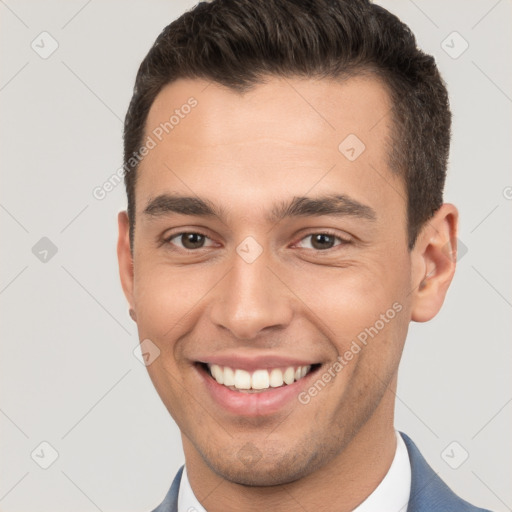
<point>250,467</point>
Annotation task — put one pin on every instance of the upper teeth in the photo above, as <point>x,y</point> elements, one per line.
<point>259,379</point>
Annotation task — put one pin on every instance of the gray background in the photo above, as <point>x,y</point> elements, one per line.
<point>68,375</point>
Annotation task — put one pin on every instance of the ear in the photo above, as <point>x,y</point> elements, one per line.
<point>434,258</point>
<point>124,257</point>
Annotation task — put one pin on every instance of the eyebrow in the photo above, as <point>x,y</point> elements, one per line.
<point>166,204</point>
<point>338,205</point>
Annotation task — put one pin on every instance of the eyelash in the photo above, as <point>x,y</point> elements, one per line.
<point>167,240</point>
<point>343,241</point>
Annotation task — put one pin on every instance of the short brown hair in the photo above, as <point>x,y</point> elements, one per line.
<point>237,43</point>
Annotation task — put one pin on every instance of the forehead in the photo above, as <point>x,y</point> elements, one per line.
<point>319,107</point>
<point>284,136</point>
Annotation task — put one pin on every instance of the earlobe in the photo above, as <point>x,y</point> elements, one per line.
<point>125,259</point>
<point>434,259</point>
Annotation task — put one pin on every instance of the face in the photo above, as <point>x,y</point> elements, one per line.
<point>270,248</point>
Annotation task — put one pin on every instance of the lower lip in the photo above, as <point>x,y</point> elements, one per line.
<point>261,403</point>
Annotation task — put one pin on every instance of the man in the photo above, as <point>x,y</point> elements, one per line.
<point>285,163</point>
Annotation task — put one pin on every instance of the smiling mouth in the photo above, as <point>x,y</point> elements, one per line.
<point>259,380</point>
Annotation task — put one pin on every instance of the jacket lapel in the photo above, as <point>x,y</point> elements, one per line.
<point>428,491</point>
<point>170,503</point>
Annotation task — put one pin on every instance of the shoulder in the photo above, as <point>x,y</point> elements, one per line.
<point>428,491</point>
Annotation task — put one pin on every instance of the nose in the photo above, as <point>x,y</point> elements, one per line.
<point>251,299</point>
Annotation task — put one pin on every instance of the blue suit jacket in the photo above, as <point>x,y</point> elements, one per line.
<point>428,492</point>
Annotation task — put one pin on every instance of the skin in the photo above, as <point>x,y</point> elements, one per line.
<point>245,153</point>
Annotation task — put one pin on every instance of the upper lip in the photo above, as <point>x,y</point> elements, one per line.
<point>252,363</point>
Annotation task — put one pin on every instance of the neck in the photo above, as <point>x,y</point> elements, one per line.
<point>342,484</point>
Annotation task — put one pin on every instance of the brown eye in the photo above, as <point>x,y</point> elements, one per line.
<point>322,241</point>
<point>192,240</point>
<point>188,240</point>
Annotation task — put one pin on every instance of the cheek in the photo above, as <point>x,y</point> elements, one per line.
<point>361,310</point>
<point>166,299</point>
<point>348,300</point>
